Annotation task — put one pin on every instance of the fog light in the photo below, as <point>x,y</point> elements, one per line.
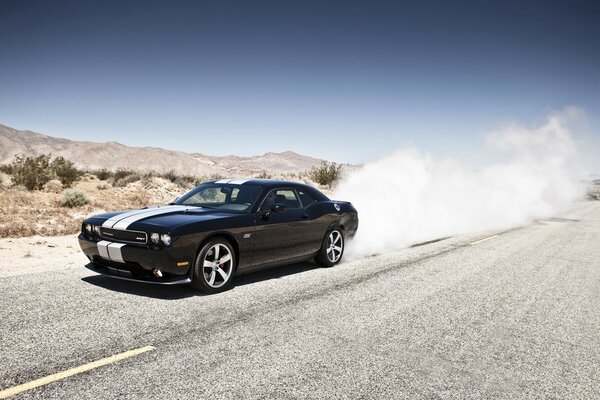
<point>166,239</point>
<point>154,238</point>
<point>88,228</point>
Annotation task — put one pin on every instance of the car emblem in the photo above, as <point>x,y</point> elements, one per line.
<point>337,206</point>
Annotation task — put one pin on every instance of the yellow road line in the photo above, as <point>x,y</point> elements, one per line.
<point>484,239</point>
<point>73,371</point>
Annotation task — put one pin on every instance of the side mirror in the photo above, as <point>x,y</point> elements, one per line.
<point>278,207</point>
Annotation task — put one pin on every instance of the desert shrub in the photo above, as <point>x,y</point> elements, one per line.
<point>53,186</point>
<point>31,172</point>
<point>65,171</point>
<point>34,172</point>
<point>148,174</point>
<point>187,178</point>
<point>103,174</point>
<point>264,175</point>
<point>185,181</point>
<point>103,186</point>
<point>74,198</point>
<point>170,176</point>
<point>127,180</point>
<point>122,173</point>
<point>326,174</point>
<point>6,168</point>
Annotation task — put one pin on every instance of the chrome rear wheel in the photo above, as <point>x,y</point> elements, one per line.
<point>335,245</point>
<point>332,249</point>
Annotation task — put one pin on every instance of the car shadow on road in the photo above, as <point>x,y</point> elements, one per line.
<point>177,292</point>
<point>273,273</point>
<point>166,292</point>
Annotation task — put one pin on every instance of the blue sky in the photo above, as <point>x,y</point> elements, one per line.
<point>347,81</point>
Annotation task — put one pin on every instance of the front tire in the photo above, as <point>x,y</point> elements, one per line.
<point>332,249</point>
<point>214,267</point>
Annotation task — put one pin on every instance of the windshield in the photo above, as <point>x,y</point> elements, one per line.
<point>221,196</point>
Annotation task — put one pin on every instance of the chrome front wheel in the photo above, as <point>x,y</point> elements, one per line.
<point>217,266</point>
<point>214,266</point>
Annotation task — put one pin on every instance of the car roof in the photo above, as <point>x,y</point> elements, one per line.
<point>271,184</point>
<point>266,183</point>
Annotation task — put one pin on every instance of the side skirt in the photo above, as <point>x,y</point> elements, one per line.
<point>254,268</point>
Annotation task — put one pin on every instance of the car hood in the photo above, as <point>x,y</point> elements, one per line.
<point>158,219</point>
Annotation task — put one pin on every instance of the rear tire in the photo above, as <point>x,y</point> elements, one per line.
<point>332,249</point>
<point>214,267</point>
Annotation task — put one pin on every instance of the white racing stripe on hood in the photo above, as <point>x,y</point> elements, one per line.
<point>125,222</point>
<point>114,219</point>
<point>224,181</point>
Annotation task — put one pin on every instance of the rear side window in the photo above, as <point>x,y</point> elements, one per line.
<point>306,198</point>
<point>287,197</point>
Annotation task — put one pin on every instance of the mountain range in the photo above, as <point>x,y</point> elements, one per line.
<point>114,155</point>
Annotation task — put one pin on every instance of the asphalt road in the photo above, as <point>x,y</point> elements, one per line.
<point>514,316</point>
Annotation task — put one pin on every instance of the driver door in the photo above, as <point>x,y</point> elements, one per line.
<point>280,235</point>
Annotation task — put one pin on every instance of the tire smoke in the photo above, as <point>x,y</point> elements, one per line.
<point>410,197</point>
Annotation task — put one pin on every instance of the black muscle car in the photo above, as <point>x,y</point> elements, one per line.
<point>217,230</point>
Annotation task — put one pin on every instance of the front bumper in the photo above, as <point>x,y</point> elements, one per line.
<point>136,262</point>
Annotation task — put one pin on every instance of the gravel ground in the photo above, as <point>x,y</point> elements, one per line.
<point>516,316</point>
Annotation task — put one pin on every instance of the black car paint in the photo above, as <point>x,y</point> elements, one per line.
<point>261,238</point>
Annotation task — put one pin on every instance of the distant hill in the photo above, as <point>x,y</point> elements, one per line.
<point>113,155</point>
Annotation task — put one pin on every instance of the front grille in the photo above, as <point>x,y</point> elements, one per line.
<point>124,236</point>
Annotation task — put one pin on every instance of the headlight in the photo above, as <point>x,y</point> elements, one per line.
<point>96,229</point>
<point>166,239</point>
<point>88,228</point>
<point>154,238</point>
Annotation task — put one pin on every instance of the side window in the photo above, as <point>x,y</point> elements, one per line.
<point>287,197</point>
<point>306,198</point>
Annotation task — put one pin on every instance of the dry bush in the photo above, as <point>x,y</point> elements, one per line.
<point>74,198</point>
<point>31,172</point>
<point>326,174</point>
<point>6,169</point>
<point>264,175</point>
<point>122,173</point>
<point>53,186</point>
<point>103,174</point>
<point>103,186</point>
<point>126,180</point>
<point>170,176</point>
<point>34,172</point>
<point>65,171</point>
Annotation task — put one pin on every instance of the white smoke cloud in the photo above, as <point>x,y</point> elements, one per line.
<point>410,197</point>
